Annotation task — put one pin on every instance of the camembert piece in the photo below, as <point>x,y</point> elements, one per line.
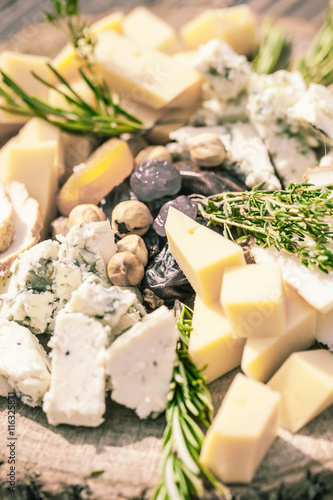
<point>144,75</point>
<point>77,389</point>
<point>235,25</point>
<point>253,299</point>
<point>263,356</point>
<point>202,254</point>
<point>24,364</point>
<point>148,30</point>
<point>305,382</point>
<point>242,431</point>
<point>140,363</point>
<point>211,341</point>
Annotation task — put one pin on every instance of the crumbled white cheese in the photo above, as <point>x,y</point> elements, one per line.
<point>140,363</point>
<point>24,366</point>
<point>77,389</point>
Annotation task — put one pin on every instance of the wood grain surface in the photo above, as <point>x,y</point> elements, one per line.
<point>56,462</point>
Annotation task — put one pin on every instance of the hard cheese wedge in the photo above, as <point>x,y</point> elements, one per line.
<point>242,431</point>
<point>211,341</point>
<point>202,254</point>
<point>305,382</point>
<point>144,75</point>
<point>263,356</point>
<point>324,330</point>
<point>253,300</point>
<point>145,28</point>
<point>235,25</point>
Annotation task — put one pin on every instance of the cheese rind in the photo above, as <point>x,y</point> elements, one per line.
<point>202,254</point>
<point>242,431</point>
<point>305,382</point>
<point>78,352</point>
<point>140,363</point>
<point>263,356</point>
<point>211,341</point>
<point>253,300</point>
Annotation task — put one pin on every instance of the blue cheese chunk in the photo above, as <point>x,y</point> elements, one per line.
<point>115,307</point>
<point>90,246</point>
<point>24,365</point>
<point>140,363</point>
<point>77,389</point>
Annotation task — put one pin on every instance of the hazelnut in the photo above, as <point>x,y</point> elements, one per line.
<point>134,243</point>
<point>85,213</point>
<point>60,226</point>
<point>207,150</point>
<point>152,299</point>
<point>152,153</point>
<point>131,217</point>
<point>125,269</point>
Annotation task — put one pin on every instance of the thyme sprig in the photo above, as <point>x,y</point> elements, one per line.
<point>298,219</point>
<point>189,403</point>
<point>106,119</point>
<point>273,53</point>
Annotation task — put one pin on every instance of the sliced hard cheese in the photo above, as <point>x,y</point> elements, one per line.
<point>253,299</point>
<point>305,382</point>
<point>66,62</point>
<point>314,286</point>
<point>235,25</point>
<point>146,29</point>
<point>6,220</point>
<point>145,75</point>
<point>212,343</point>
<point>263,356</point>
<point>202,254</point>
<point>27,224</point>
<point>324,330</point>
<point>242,431</point>
<point>78,352</point>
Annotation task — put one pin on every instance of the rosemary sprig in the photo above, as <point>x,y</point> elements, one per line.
<point>189,403</point>
<point>273,51</point>
<point>108,119</point>
<point>317,65</point>
<point>298,219</point>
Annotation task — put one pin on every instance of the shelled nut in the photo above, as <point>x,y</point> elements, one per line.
<point>124,269</point>
<point>207,150</point>
<point>85,213</point>
<point>131,217</point>
<point>134,243</point>
<point>152,153</point>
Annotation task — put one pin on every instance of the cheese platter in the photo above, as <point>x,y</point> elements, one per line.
<point>121,212</point>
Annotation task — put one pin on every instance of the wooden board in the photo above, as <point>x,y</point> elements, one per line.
<point>56,462</point>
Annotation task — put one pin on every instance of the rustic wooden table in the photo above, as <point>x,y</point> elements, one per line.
<point>55,462</point>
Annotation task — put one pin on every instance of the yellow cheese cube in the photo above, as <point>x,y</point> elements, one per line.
<point>35,166</point>
<point>57,100</point>
<point>186,57</point>
<point>234,25</point>
<point>253,299</point>
<point>145,75</point>
<point>211,341</point>
<point>305,382</point>
<point>242,431</point>
<point>262,356</point>
<point>146,29</point>
<point>202,254</point>
<point>66,62</point>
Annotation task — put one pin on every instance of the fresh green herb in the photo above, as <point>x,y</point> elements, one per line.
<point>273,51</point>
<point>317,65</point>
<point>107,119</point>
<point>97,472</point>
<point>298,219</point>
<point>189,403</point>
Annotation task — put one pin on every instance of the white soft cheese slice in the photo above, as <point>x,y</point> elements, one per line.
<point>77,389</point>
<point>23,363</point>
<point>140,363</point>
<point>313,285</point>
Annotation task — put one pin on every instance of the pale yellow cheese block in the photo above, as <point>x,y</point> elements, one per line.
<point>202,254</point>
<point>324,330</point>
<point>146,76</point>
<point>211,341</point>
<point>234,25</point>
<point>262,356</point>
<point>305,382</point>
<point>253,299</point>
<point>66,62</point>
<point>146,29</point>
<point>186,57</point>
<point>35,166</point>
<point>242,431</point>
